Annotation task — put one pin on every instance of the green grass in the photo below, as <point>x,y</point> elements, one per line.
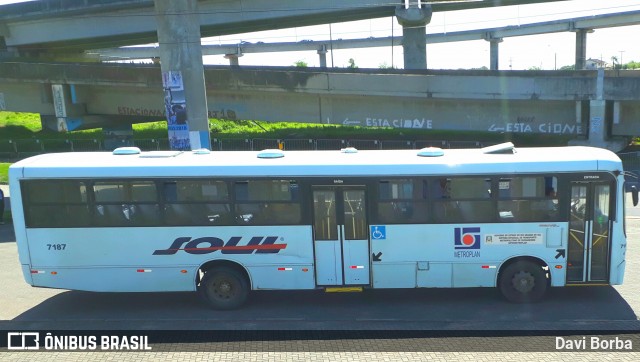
<point>27,125</point>
<point>15,125</point>
<point>4,172</point>
<point>4,179</point>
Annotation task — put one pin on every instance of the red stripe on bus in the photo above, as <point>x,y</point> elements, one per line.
<point>242,247</point>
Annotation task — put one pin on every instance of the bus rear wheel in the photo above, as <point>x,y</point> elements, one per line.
<point>224,288</point>
<point>523,282</point>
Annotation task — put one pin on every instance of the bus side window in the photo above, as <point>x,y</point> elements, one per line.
<point>267,202</point>
<point>196,202</point>
<point>126,203</point>
<point>528,199</point>
<point>402,201</point>
<point>462,199</point>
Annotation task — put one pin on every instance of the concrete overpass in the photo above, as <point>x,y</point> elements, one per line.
<point>63,29</point>
<point>594,107</point>
<point>581,26</point>
<point>598,107</point>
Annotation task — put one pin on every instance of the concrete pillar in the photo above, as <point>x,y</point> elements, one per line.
<point>494,52</point>
<point>233,59</point>
<point>581,48</point>
<point>183,73</point>
<point>414,17</point>
<point>597,129</point>
<point>322,53</point>
<point>597,136</point>
<point>69,110</point>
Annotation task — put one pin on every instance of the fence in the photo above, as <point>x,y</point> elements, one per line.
<point>630,161</point>
<point>11,149</point>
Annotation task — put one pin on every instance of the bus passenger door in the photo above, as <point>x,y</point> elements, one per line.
<point>341,240</point>
<point>589,226</point>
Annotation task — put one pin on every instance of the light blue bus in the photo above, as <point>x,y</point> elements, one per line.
<point>227,223</point>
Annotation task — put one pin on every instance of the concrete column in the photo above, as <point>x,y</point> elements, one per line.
<point>70,112</point>
<point>597,136</point>
<point>414,17</point>
<point>597,128</point>
<point>581,48</point>
<point>322,53</point>
<point>233,59</point>
<point>183,73</point>
<point>494,52</point>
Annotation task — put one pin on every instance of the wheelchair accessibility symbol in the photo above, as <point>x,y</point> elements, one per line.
<point>378,232</point>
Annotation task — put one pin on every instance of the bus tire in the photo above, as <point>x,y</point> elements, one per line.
<point>224,288</point>
<point>523,282</point>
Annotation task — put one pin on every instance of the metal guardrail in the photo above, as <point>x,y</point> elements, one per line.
<point>11,149</point>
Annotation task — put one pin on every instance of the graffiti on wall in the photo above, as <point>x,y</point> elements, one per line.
<point>531,125</point>
<point>416,123</point>
<point>138,111</point>
<point>222,113</point>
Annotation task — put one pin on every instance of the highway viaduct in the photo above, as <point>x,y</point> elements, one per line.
<point>597,107</point>
<point>545,102</point>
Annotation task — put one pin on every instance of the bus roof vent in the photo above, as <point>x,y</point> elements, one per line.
<point>201,151</point>
<point>271,153</point>
<point>349,150</point>
<point>160,154</point>
<point>506,148</point>
<point>126,151</point>
<point>431,152</point>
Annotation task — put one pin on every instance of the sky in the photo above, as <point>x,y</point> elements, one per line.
<point>548,51</point>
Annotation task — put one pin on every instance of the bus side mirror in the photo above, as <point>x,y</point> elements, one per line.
<point>634,195</point>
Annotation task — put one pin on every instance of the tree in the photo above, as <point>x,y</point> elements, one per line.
<point>614,60</point>
<point>352,64</point>
<point>301,64</point>
<point>385,66</point>
<point>632,65</point>
<point>568,67</point>
<point>535,68</point>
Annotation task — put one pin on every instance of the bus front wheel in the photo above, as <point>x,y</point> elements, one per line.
<point>523,282</point>
<point>224,288</point>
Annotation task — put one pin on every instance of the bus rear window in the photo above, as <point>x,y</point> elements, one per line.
<point>55,203</point>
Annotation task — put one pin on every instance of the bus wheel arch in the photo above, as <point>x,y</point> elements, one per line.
<point>524,279</point>
<point>223,284</point>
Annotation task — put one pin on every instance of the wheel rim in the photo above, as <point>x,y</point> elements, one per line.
<point>523,282</point>
<point>223,288</point>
